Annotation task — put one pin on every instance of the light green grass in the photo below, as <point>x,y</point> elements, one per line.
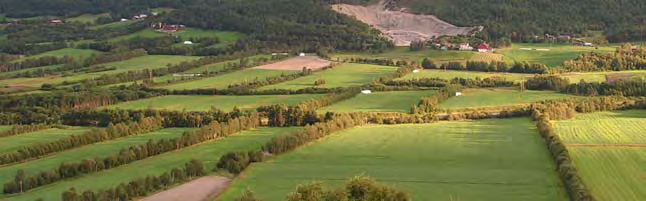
<point>138,63</point>
<point>87,18</point>
<point>209,153</point>
<point>98,150</point>
<point>12,73</point>
<point>609,153</point>
<point>223,81</point>
<point>204,103</point>
<point>5,128</point>
<point>450,74</point>
<point>226,37</point>
<point>557,54</point>
<point>79,54</point>
<point>393,101</point>
<point>14,143</point>
<point>601,76</point>
<point>345,75</point>
<point>207,68</point>
<point>498,97</point>
<point>146,33</point>
<point>113,25</point>
<point>478,160</point>
<point>403,53</point>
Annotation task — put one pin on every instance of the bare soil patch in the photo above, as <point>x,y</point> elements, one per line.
<point>402,27</point>
<point>297,63</point>
<point>200,189</point>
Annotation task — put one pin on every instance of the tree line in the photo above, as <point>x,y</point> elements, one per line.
<point>557,83</point>
<point>432,103</point>
<point>493,66</point>
<point>93,136</point>
<point>439,82</point>
<point>305,112</point>
<point>209,132</point>
<point>626,57</point>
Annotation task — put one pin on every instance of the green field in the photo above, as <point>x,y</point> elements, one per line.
<point>76,53</point>
<point>138,63</point>
<point>472,98</point>
<point>601,76</point>
<point>208,153</point>
<point>345,75</point>
<point>87,18</point>
<point>14,143</point>
<point>403,53</point>
<point>226,37</point>
<point>450,74</point>
<point>204,103</point>
<point>145,33</point>
<point>500,159</point>
<point>609,151</point>
<point>98,150</point>
<point>223,81</point>
<point>393,101</point>
<point>557,54</point>
<point>5,128</point>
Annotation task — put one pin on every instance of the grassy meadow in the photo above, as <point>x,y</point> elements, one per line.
<point>608,149</point>
<point>205,103</point>
<point>450,74</point>
<point>557,54</point>
<point>345,75</point>
<point>98,150</point>
<point>392,101</point>
<point>498,159</point>
<point>208,153</point>
<point>224,80</point>
<point>403,53</point>
<point>472,98</point>
<point>72,52</point>
<point>16,142</point>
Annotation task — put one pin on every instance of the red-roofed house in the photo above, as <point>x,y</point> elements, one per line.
<point>483,47</point>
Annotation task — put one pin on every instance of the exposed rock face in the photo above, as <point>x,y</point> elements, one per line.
<point>402,27</point>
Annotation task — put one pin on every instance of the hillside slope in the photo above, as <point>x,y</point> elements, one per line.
<point>520,20</point>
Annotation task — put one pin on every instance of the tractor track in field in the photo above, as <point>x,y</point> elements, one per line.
<point>607,145</point>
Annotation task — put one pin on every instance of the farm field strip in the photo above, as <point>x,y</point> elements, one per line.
<point>16,142</point>
<point>403,53</point>
<point>223,81</point>
<point>392,101</point>
<point>98,150</point>
<point>609,151</point>
<point>72,52</point>
<point>473,98</point>
<point>205,103</point>
<point>550,54</point>
<point>470,160</point>
<point>139,63</point>
<point>345,75</point>
<point>450,74</point>
<point>209,153</point>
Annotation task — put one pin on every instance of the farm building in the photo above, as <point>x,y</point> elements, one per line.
<point>465,47</point>
<point>483,48</point>
<point>169,28</point>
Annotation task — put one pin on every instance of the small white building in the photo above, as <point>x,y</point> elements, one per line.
<point>124,20</point>
<point>588,44</point>
<point>188,42</point>
<point>458,93</point>
<point>416,71</point>
<point>366,91</point>
<point>301,54</point>
<point>465,47</point>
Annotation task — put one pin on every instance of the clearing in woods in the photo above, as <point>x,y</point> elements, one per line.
<point>401,27</point>
<point>391,101</point>
<point>344,75</point>
<point>297,64</point>
<point>472,98</point>
<point>602,146</point>
<point>209,153</point>
<point>205,103</point>
<point>495,159</point>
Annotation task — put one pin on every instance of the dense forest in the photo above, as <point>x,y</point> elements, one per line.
<point>521,20</point>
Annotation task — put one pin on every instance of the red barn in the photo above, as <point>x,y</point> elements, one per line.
<point>483,47</point>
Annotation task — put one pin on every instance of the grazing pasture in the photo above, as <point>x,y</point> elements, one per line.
<point>223,81</point>
<point>392,101</point>
<point>205,103</point>
<point>209,153</point>
<point>345,75</point>
<point>80,54</point>
<point>497,159</point>
<point>14,143</point>
<point>403,53</point>
<point>298,63</point>
<point>98,150</point>
<point>550,54</point>
<point>450,74</point>
<point>472,98</point>
<point>609,151</point>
